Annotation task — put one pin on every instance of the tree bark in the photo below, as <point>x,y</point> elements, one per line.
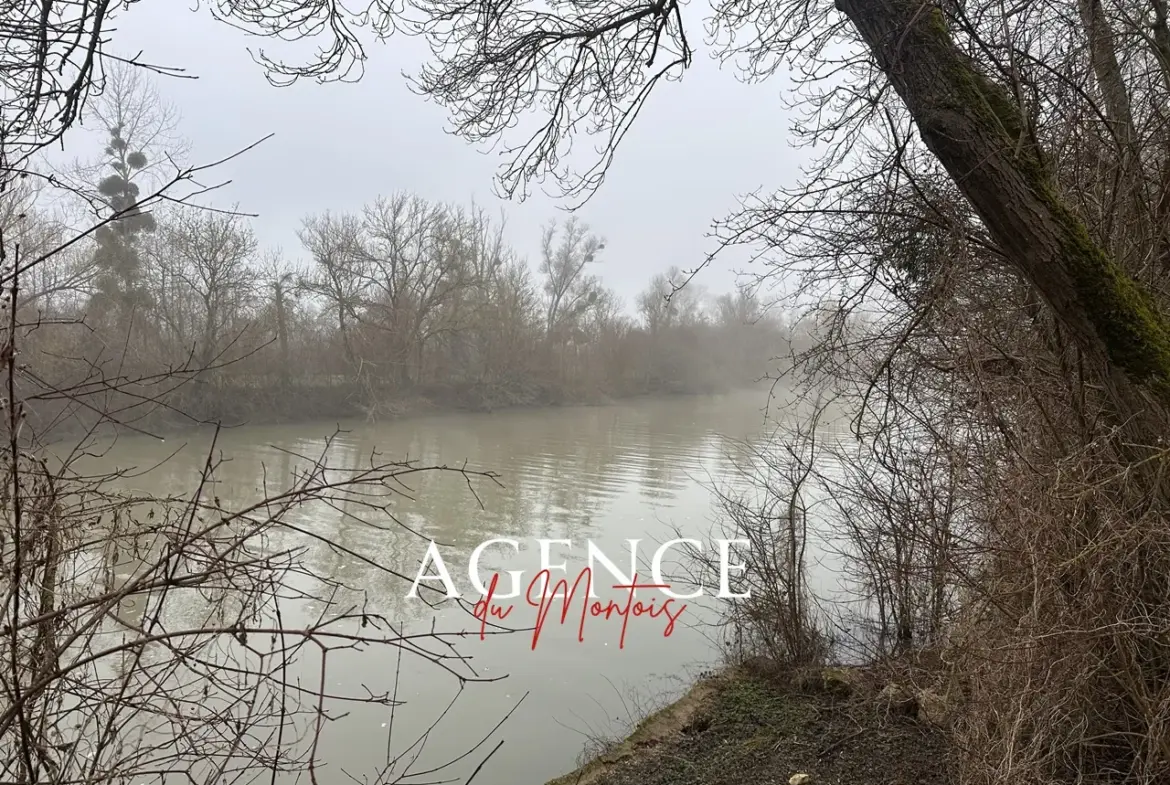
<point>983,140</point>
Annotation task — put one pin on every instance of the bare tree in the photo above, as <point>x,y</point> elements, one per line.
<point>418,262</point>
<point>280,281</point>
<point>655,305</point>
<point>668,302</point>
<point>147,123</point>
<point>335,244</point>
<point>739,308</point>
<point>55,285</point>
<point>568,290</point>
<point>212,254</point>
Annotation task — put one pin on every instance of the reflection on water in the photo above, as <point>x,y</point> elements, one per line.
<point>633,470</point>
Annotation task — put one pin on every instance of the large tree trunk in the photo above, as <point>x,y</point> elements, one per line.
<point>981,137</point>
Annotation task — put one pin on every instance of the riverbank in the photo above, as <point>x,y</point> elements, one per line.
<point>194,403</point>
<point>756,724</point>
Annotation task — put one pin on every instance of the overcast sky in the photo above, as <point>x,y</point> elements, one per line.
<point>698,145</point>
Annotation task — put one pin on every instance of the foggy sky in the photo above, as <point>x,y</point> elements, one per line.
<point>697,145</point>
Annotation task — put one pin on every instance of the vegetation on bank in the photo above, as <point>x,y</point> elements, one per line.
<point>762,723</point>
<point>405,300</point>
<point>232,405</point>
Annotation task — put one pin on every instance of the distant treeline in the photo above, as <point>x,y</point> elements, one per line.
<point>406,303</point>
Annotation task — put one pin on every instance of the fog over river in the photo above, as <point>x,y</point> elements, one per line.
<point>636,469</point>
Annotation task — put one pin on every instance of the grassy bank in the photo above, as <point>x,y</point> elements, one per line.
<point>759,724</point>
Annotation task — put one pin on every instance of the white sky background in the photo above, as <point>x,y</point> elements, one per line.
<point>698,145</point>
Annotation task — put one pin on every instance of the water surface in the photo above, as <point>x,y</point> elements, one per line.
<point>639,469</point>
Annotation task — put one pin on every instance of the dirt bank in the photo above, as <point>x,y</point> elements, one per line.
<point>758,726</point>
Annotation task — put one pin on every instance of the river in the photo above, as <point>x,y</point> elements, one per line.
<point>639,469</point>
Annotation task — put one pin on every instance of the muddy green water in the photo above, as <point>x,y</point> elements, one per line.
<point>629,470</point>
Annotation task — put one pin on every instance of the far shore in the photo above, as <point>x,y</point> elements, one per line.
<point>242,406</point>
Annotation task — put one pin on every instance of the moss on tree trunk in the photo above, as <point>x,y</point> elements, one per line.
<point>983,139</point>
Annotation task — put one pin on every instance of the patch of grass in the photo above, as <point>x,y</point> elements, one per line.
<point>744,727</point>
<point>750,703</point>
